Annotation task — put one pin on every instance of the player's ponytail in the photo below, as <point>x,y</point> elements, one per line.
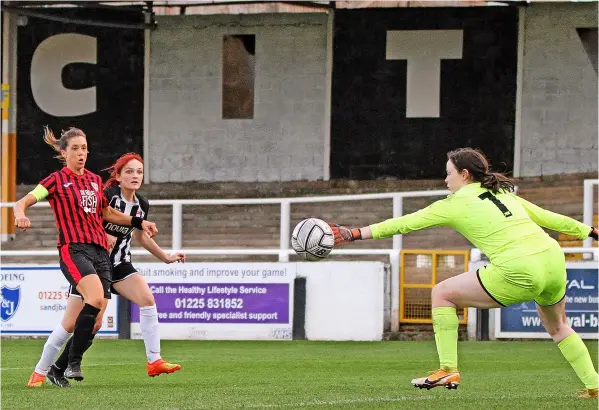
<point>63,142</point>
<point>478,166</point>
<point>51,140</point>
<point>116,168</point>
<point>495,182</point>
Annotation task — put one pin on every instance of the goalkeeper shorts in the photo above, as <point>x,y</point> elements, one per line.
<point>540,277</point>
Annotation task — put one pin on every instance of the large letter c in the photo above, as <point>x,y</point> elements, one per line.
<point>48,61</point>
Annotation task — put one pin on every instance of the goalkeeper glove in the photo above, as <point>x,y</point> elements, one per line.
<point>594,233</point>
<point>343,234</point>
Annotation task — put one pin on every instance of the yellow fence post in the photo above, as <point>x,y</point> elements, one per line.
<point>9,139</point>
<point>406,284</point>
<point>9,168</point>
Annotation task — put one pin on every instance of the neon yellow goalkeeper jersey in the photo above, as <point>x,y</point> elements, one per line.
<point>502,226</point>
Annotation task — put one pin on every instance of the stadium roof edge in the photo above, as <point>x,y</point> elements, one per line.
<point>190,7</point>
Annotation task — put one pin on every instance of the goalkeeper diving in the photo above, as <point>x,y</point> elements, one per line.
<point>525,262</point>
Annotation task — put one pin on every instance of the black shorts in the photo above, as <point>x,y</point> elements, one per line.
<point>120,272</point>
<point>78,260</point>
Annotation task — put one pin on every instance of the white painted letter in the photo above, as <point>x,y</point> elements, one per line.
<point>424,50</point>
<point>48,61</point>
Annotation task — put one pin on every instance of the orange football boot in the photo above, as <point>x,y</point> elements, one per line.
<point>36,380</point>
<point>588,394</point>
<point>438,378</point>
<point>161,366</point>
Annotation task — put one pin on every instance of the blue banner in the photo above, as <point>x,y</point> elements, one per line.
<point>581,307</point>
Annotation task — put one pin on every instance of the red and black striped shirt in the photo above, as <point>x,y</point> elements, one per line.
<point>77,202</point>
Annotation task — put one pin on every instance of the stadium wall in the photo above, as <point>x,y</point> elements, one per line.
<point>411,84</point>
<point>559,89</point>
<point>288,137</point>
<point>190,141</point>
<point>78,75</point>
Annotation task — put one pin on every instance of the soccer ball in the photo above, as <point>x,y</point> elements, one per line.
<point>312,239</point>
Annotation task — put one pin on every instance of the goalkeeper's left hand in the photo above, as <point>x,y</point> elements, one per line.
<point>343,234</point>
<point>593,234</point>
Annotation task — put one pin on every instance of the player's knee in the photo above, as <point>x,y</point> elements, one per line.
<point>94,297</point>
<point>68,323</point>
<point>95,301</point>
<point>147,299</point>
<point>438,292</point>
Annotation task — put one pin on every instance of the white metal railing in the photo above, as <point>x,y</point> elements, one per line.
<point>284,235</point>
<point>588,206</point>
<point>285,203</point>
<point>285,213</point>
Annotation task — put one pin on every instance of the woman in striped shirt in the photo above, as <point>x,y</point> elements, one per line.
<point>126,176</point>
<point>79,205</point>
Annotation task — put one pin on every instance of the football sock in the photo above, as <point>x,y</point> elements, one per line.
<point>148,322</point>
<point>445,325</point>
<point>576,352</point>
<point>55,341</point>
<point>63,360</point>
<point>84,327</point>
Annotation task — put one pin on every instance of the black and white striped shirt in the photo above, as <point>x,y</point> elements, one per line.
<point>121,252</point>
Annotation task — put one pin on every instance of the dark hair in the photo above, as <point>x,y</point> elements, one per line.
<point>477,164</point>
<point>63,142</point>
<point>116,168</point>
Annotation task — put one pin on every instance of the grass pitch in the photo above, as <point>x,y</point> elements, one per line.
<point>319,375</point>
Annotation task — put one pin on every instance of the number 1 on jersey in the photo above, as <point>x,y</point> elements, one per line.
<point>487,195</point>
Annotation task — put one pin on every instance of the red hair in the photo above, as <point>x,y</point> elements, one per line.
<point>116,168</point>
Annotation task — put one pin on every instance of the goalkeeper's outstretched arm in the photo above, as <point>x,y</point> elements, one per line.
<point>557,222</point>
<point>440,213</point>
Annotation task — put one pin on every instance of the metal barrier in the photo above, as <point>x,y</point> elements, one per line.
<point>588,208</point>
<point>414,292</point>
<point>284,235</point>
<point>285,203</point>
<point>284,251</point>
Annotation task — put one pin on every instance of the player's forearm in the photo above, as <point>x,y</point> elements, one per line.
<point>560,223</point>
<point>394,226</point>
<point>436,214</point>
<point>554,221</point>
<point>22,204</point>
<point>365,233</point>
<point>116,217</point>
<point>151,246</point>
<point>573,227</point>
